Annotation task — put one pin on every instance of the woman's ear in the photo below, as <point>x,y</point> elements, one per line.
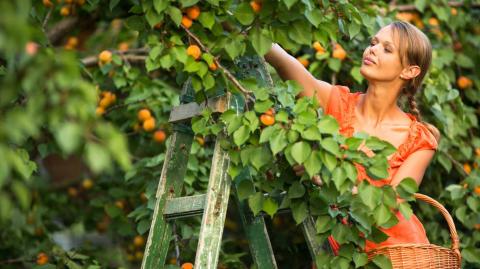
<point>410,72</point>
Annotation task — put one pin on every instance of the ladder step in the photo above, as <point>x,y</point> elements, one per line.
<point>190,110</point>
<point>186,206</point>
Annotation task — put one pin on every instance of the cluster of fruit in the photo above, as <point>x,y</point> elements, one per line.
<point>196,52</point>
<point>68,5</point>
<point>107,99</point>
<point>338,53</point>
<point>135,249</point>
<point>147,123</point>
<point>71,44</point>
<point>189,15</point>
<point>104,57</point>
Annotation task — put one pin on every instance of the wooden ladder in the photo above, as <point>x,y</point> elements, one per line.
<point>213,204</point>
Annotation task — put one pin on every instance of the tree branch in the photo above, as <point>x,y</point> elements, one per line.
<point>92,60</point>
<point>60,29</point>
<point>412,7</point>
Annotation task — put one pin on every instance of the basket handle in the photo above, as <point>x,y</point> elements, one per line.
<point>448,218</point>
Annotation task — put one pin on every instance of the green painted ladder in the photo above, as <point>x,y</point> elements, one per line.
<point>213,204</point>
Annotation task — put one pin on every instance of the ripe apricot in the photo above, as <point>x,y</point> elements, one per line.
<point>72,192</point>
<point>120,204</point>
<point>144,114</point>
<point>339,52</point>
<point>149,124</point>
<point>100,111</point>
<point>212,67</point>
<point>42,258</point>
<point>318,47</point>
<point>194,51</point>
<point>463,82</point>
<point>187,22</point>
<point>31,48</point>
<point>187,265</point>
<point>433,22</point>
<point>453,11</point>
<point>138,255</point>
<point>467,168</point>
<point>138,241</point>
<point>105,57</point>
<point>267,120</point>
<point>123,46</point>
<point>200,140</point>
<point>477,226</point>
<point>193,12</point>
<point>80,2</point>
<point>87,183</point>
<point>256,6</point>
<point>47,3</point>
<point>405,16</point>
<point>477,190</point>
<point>65,11</point>
<point>303,61</point>
<point>159,136</point>
<point>477,152</point>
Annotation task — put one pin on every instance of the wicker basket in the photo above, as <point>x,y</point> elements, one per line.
<point>424,256</point>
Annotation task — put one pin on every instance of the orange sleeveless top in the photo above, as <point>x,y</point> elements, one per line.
<point>341,105</point>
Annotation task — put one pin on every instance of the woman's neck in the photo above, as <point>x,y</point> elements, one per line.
<point>379,105</point>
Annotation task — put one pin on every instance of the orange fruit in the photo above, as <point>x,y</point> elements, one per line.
<point>477,226</point>
<point>31,48</point>
<point>159,136</point>
<point>42,258</point>
<point>194,51</point>
<point>105,102</point>
<point>193,12</point>
<point>149,124</point>
<point>256,6</point>
<point>65,11</point>
<point>339,52</point>
<point>467,168</point>
<point>144,114</point>
<point>419,24</point>
<point>465,185</point>
<point>158,25</point>
<point>105,57</point>
<point>463,82</point>
<point>138,255</point>
<point>405,16</point>
<point>477,190</point>
<point>72,41</point>
<point>87,183</point>
<point>477,152</point>
<point>72,192</point>
<point>123,46</point>
<point>47,3</point>
<point>120,204</point>
<point>303,61</point>
<point>318,47</point>
<point>100,111</point>
<point>173,261</point>
<point>186,21</point>
<point>267,120</point>
<point>433,22</point>
<point>457,46</point>
<point>200,140</point>
<point>212,67</point>
<point>453,11</point>
<point>187,265</point>
<point>80,2</point>
<point>138,241</point>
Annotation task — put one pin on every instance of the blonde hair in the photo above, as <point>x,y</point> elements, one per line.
<point>415,49</point>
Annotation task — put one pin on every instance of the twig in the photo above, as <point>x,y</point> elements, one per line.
<point>45,21</point>
<point>92,60</point>
<point>225,71</point>
<point>456,163</point>
<point>64,26</point>
<point>17,260</point>
<point>123,105</point>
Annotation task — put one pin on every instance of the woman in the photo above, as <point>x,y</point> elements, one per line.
<point>394,64</point>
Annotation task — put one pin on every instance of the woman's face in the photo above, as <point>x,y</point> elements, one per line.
<point>381,59</point>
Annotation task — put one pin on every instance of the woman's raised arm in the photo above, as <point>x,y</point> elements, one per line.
<point>290,68</point>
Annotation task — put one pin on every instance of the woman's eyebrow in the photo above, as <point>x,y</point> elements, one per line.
<point>385,42</point>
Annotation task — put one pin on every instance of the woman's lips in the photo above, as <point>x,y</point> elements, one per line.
<point>368,62</point>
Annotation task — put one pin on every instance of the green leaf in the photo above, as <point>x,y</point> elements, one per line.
<point>262,106</point>
<point>464,61</point>
<point>175,14</point>
<point>313,164</point>
<point>136,23</point>
<point>281,116</point>
<point>407,187</point>
<point>360,259</point>
<point>379,168</point>
<point>256,202</point>
<point>334,64</point>
<point>98,158</point>
<point>207,19</point>
<point>278,141</point>
<point>299,211</point>
<point>244,189</point>
<point>143,226</point>
<point>297,190</point>
<point>289,3</point>
<point>69,136</point>
<point>5,207</point>
<point>301,151</point>
<point>312,133</point>
<point>350,170</point>
<point>341,233</point>
<point>261,40</point>
<point>267,133</point>
<point>260,157</point>
<point>153,17</point>
<point>382,261</point>
<point>339,176</point>
<point>330,145</point>
<point>382,215</point>
<point>370,195</point>
<point>241,135</point>
<point>406,210</point>
<point>328,125</point>
<point>355,73</point>
<point>270,206</point>
<point>323,224</point>
<point>160,5</point>
<point>252,120</point>
<point>314,16</point>
<point>301,32</point>
<point>244,13</point>
<point>22,193</point>
<point>113,4</point>
<point>329,160</point>
<point>292,136</point>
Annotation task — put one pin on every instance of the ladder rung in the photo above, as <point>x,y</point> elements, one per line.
<point>190,110</point>
<point>182,207</point>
